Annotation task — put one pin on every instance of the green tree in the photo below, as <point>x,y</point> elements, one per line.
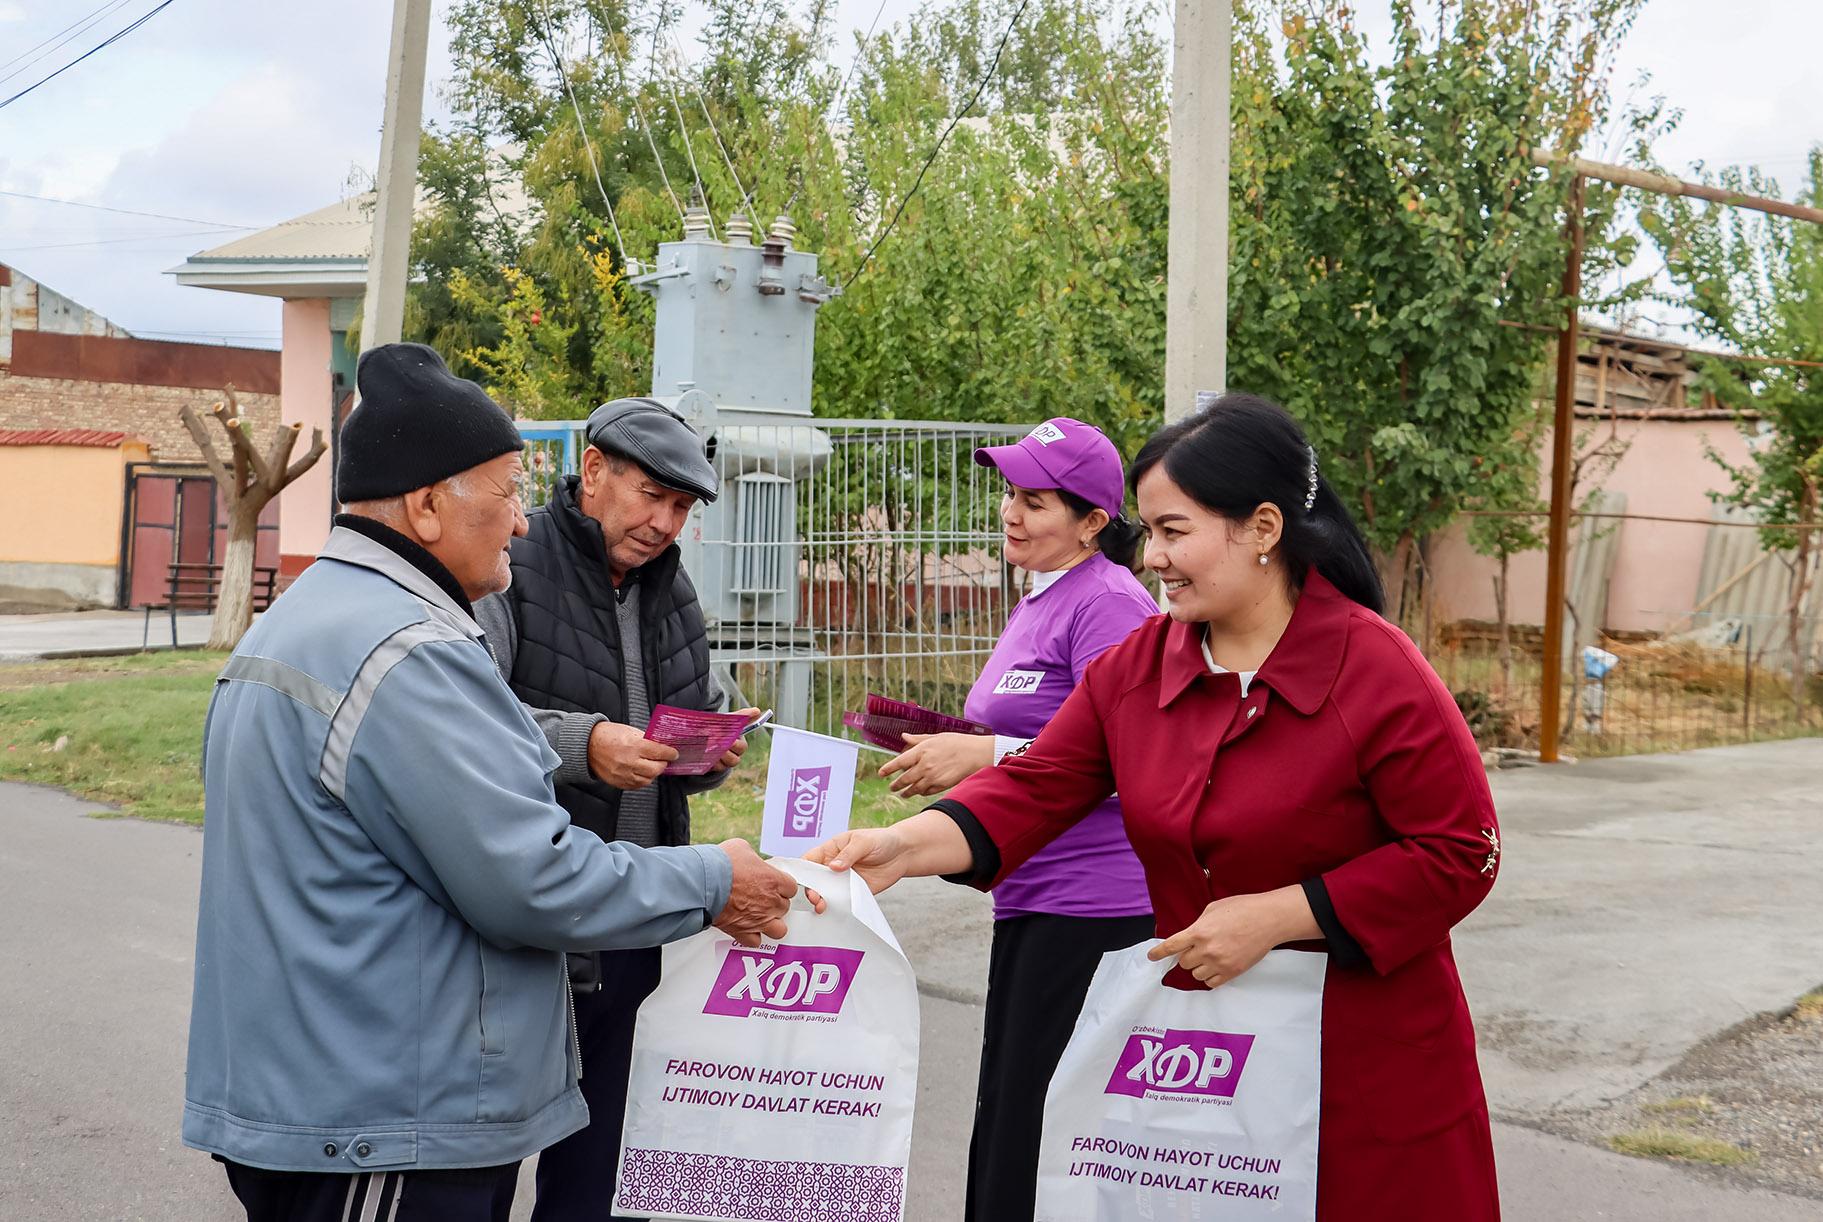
<point>1388,230</point>
<point>1396,257</point>
<point>1754,282</point>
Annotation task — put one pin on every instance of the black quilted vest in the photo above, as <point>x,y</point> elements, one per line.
<point>569,656</point>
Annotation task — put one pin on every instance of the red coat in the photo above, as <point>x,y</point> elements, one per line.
<point>1349,761</point>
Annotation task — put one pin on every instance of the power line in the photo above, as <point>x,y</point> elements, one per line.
<point>143,237</point>
<point>67,34</point>
<point>626,81</point>
<point>684,131</point>
<point>856,61</point>
<point>157,216</point>
<point>588,146</point>
<point>956,119</point>
<point>728,161</point>
<point>106,42</point>
<point>715,133</point>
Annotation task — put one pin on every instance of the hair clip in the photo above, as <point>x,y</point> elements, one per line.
<point>1310,493</point>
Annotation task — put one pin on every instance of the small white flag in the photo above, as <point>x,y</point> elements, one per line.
<point>810,790</point>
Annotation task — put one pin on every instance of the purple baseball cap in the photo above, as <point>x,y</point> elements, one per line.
<point>1062,453</point>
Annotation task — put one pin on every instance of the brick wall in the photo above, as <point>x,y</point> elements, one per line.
<point>146,412</point>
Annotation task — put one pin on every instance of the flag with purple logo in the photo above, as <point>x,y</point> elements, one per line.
<point>810,788</point>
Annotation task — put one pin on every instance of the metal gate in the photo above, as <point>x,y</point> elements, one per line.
<point>176,515</point>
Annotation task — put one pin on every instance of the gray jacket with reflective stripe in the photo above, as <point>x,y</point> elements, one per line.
<point>388,885</point>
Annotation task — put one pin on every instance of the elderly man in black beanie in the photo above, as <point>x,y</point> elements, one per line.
<point>600,625</point>
<point>381,1025</point>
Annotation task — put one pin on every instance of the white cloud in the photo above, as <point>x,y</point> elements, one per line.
<point>259,151</point>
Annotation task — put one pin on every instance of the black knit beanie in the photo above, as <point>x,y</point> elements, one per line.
<point>416,423</point>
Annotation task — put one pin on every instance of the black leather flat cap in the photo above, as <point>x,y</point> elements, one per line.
<point>659,440</point>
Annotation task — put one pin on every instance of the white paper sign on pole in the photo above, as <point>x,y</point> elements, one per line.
<point>810,790</point>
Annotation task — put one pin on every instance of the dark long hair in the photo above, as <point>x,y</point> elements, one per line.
<point>1118,540</point>
<point>1243,451</point>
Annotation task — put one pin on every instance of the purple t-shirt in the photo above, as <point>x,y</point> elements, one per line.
<point>1049,640</point>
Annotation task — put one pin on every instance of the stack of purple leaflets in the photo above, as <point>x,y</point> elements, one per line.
<point>701,738</point>
<point>886,721</point>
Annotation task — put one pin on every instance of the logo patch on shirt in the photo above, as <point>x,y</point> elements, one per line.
<point>1046,433</point>
<point>1019,683</point>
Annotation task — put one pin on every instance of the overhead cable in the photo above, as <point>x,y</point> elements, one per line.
<point>684,130</point>
<point>987,76</point>
<point>106,42</point>
<point>856,61</point>
<point>67,34</point>
<point>142,237</point>
<point>626,82</point>
<point>157,216</point>
<point>582,126</point>
<point>721,146</point>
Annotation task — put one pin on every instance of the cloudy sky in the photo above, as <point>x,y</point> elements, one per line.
<point>232,112</point>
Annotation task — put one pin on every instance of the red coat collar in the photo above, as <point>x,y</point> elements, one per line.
<point>1302,666</point>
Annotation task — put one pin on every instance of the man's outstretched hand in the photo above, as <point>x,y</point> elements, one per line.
<point>759,897</point>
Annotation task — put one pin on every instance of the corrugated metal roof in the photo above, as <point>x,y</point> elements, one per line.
<point>60,437</point>
<point>343,230</point>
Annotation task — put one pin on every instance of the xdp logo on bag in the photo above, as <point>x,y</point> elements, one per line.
<point>1205,1064</point>
<point>784,980</point>
<point>805,795</point>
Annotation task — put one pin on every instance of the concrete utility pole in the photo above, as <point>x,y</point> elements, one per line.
<point>1196,288</point>
<point>388,263</point>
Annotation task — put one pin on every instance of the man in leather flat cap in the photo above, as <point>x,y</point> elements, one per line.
<point>600,625</point>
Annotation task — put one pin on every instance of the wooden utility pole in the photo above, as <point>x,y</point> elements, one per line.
<point>1196,285</point>
<point>1563,432</point>
<point>388,261</point>
<point>1563,427</point>
<point>248,480</point>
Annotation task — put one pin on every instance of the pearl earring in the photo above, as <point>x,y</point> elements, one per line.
<point>1263,559</point>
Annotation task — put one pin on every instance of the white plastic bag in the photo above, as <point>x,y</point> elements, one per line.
<point>1170,1104</point>
<point>777,1082</point>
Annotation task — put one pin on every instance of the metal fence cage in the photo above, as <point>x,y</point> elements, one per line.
<point>842,556</point>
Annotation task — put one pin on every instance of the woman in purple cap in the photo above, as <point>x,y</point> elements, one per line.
<point>1085,895</point>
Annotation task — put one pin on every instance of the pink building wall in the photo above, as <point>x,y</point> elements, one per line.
<point>304,396</point>
<point>1665,472</point>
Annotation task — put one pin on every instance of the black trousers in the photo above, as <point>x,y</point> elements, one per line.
<point>576,1176</point>
<point>476,1194</point>
<point>1038,973</point>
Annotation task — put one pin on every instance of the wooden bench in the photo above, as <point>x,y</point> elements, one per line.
<point>197,587</point>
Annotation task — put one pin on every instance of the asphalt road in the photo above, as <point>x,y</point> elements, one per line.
<point>99,918</point>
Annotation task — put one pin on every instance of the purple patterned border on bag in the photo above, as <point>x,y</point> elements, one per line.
<point>770,1190</point>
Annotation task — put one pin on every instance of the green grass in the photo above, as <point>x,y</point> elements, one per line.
<point>1685,1147</point>
<point>134,726</point>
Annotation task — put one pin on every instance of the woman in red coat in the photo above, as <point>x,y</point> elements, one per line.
<point>1292,773</point>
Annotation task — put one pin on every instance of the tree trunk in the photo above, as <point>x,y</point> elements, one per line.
<point>247,481</point>
<point>234,602</point>
<point>1395,568</point>
<point>1503,616</point>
